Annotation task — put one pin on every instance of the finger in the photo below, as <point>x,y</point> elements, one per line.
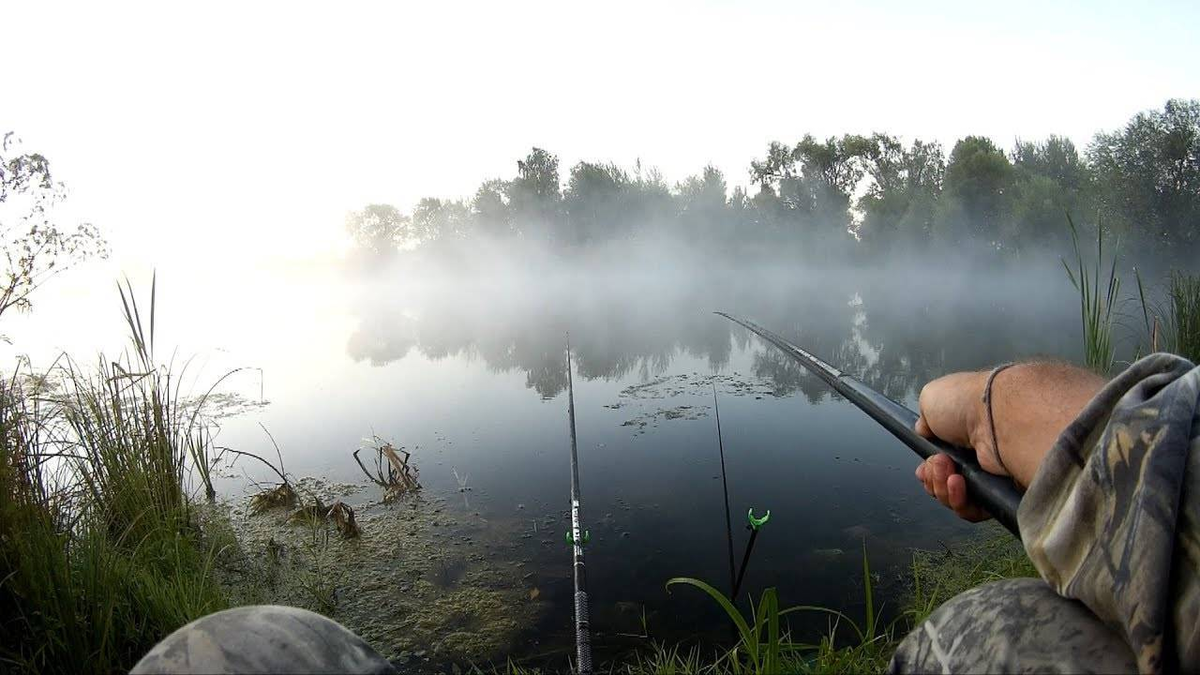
<point>927,477</point>
<point>922,427</point>
<point>920,472</point>
<point>940,473</point>
<point>956,485</point>
<point>956,489</point>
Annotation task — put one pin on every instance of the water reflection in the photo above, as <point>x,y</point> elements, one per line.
<point>894,336</point>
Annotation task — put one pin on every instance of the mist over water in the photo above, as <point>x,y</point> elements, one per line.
<point>463,363</point>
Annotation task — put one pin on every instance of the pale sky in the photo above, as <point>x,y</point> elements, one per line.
<point>228,131</point>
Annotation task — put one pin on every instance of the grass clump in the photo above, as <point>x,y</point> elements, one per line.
<point>765,645</point>
<point>1172,324</point>
<point>100,551</point>
<point>1098,297</point>
<point>1184,293</point>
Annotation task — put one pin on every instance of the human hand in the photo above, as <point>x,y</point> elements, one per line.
<point>951,409</point>
<point>943,483</point>
<point>1031,405</point>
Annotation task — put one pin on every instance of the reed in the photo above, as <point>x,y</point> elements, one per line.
<point>100,553</point>
<point>1172,323</point>
<point>765,646</point>
<point>1184,294</point>
<point>1098,297</point>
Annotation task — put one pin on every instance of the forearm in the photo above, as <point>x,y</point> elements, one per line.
<point>1031,405</point>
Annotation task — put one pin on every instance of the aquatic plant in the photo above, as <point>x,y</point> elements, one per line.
<point>765,646</point>
<point>392,473</point>
<point>1173,325</point>
<point>1184,293</point>
<point>1097,303</point>
<point>101,554</point>
<point>319,579</point>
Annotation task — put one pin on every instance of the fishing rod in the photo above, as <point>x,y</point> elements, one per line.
<point>725,488</point>
<point>577,537</point>
<point>997,495</point>
<point>754,524</point>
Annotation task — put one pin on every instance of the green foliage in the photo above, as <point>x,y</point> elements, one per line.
<point>598,200</point>
<point>940,575</point>
<point>1185,315</point>
<point>977,182</point>
<point>900,203</point>
<point>1148,176</point>
<point>1173,325</point>
<point>35,248</point>
<point>100,553</point>
<point>1049,179</point>
<point>1144,180</point>
<point>380,229</point>
<point>1098,298</point>
<point>765,646</point>
<point>434,219</point>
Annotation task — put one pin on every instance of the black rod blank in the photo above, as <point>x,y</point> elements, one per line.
<point>997,495</point>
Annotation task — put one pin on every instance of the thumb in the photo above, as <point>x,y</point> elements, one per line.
<point>922,427</point>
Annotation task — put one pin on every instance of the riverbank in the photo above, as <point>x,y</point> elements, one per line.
<point>853,644</point>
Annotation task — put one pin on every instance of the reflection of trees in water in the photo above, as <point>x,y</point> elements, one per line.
<point>892,337</point>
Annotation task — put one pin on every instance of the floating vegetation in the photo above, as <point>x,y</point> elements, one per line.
<point>312,513</point>
<point>339,513</point>
<point>695,384</point>
<point>281,496</point>
<point>418,584</point>
<point>392,473</point>
<point>682,412</point>
<point>444,572</point>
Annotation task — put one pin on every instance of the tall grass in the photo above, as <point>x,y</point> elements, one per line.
<point>765,646</point>
<point>100,553</point>
<point>1098,297</point>
<point>1184,294</point>
<point>1173,324</point>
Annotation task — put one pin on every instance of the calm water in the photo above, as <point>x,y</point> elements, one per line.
<point>470,376</point>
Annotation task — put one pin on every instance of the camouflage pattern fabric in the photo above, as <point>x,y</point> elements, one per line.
<point>1111,523</point>
<point>263,639</point>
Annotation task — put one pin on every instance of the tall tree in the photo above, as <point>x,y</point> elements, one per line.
<point>597,201</point>
<point>1050,180</point>
<point>536,195</point>
<point>490,209</point>
<point>1148,175</point>
<point>975,192</point>
<point>436,219</point>
<point>380,229</point>
<point>901,198</point>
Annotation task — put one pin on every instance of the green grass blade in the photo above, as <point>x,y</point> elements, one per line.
<point>748,638</point>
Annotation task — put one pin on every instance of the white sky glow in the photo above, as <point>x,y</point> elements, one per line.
<point>241,131</point>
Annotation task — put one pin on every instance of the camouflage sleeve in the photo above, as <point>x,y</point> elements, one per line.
<point>1110,521</point>
<point>1111,517</point>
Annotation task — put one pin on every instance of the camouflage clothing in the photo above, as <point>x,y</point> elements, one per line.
<point>1112,523</point>
<point>263,639</point>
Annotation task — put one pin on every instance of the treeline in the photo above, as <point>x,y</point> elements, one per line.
<point>864,194</point>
